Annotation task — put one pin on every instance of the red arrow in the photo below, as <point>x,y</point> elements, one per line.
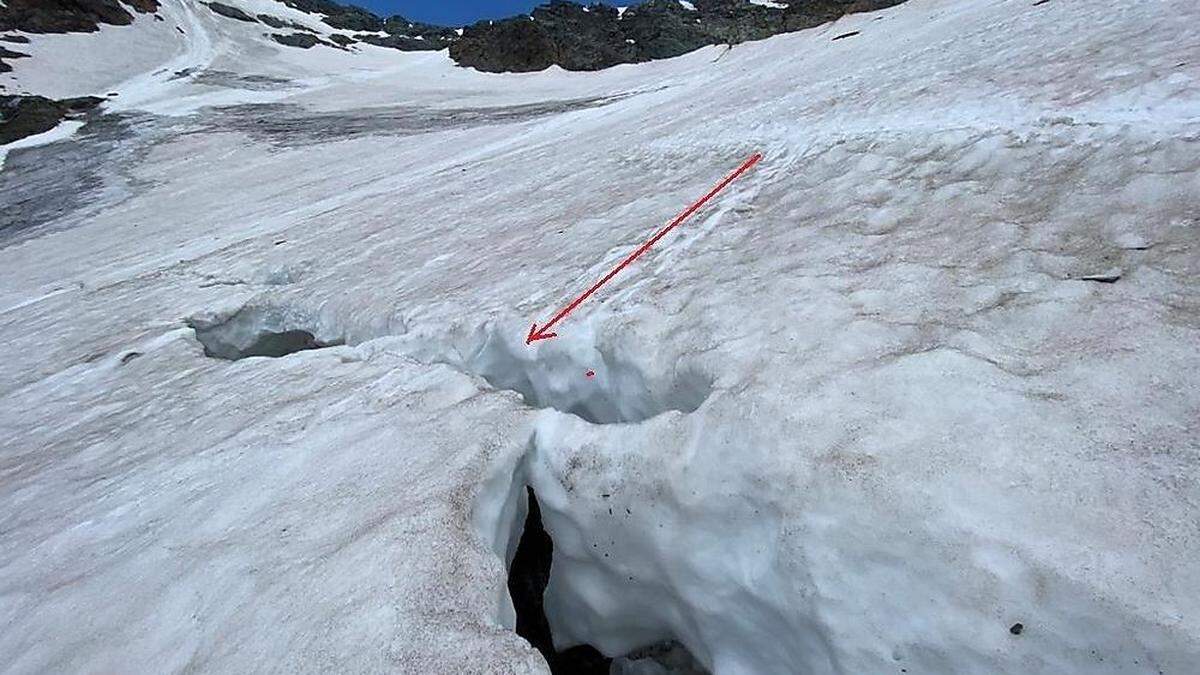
<point>543,333</point>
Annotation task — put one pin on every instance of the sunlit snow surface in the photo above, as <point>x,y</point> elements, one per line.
<point>862,414</point>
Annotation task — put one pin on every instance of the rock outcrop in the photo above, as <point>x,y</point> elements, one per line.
<point>401,33</point>
<point>512,45</point>
<point>563,33</point>
<point>22,116</point>
<point>276,22</point>
<point>69,16</point>
<point>409,35</point>
<point>308,40</point>
<point>339,16</point>
<point>597,36</point>
<point>230,12</point>
<point>301,40</point>
<point>6,53</point>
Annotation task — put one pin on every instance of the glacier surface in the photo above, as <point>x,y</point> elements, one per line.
<point>929,371</point>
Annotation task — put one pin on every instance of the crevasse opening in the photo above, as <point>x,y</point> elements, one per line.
<point>600,384</point>
<point>269,332</point>
<point>528,578</point>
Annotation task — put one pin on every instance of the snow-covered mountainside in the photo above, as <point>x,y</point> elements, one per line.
<point>918,393</point>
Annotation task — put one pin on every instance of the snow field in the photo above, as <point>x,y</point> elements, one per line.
<point>863,414</point>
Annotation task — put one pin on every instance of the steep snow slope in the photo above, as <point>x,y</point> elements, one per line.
<point>863,414</point>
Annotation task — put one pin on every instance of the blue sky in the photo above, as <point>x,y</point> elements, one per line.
<point>453,12</point>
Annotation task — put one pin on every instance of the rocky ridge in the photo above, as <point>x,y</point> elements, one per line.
<point>578,37</point>
<point>399,32</point>
<point>562,33</point>
<point>575,36</point>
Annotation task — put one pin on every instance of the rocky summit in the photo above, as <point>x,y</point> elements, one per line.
<point>578,37</point>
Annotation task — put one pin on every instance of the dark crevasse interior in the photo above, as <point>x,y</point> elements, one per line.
<point>528,576</point>
<point>281,344</point>
<point>269,330</point>
<point>527,579</point>
<point>267,343</point>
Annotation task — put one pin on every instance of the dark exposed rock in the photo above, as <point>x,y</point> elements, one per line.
<point>663,28</point>
<point>801,15</point>
<point>18,39</point>
<point>230,12</point>
<point>339,16</point>
<point>433,37</point>
<point>512,45</point>
<point>584,38</point>
<point>62,16</point>
<point>301,40</point>
<point>588,38</point>
<point>6,53</point>
<point>343,40</point>
<point>561,32</point>
<point>411,36</point>
<point>399,25</point>
<point>144,6</point>
<point>579,38</point>
<point>273,21</point>
<point>69,16</point>
<point>22,116</point>
<point>734,21</point>
<point>276,22</point>
<point>403,43</point>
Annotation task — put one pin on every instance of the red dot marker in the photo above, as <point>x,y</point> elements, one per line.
<point>591,373</point>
